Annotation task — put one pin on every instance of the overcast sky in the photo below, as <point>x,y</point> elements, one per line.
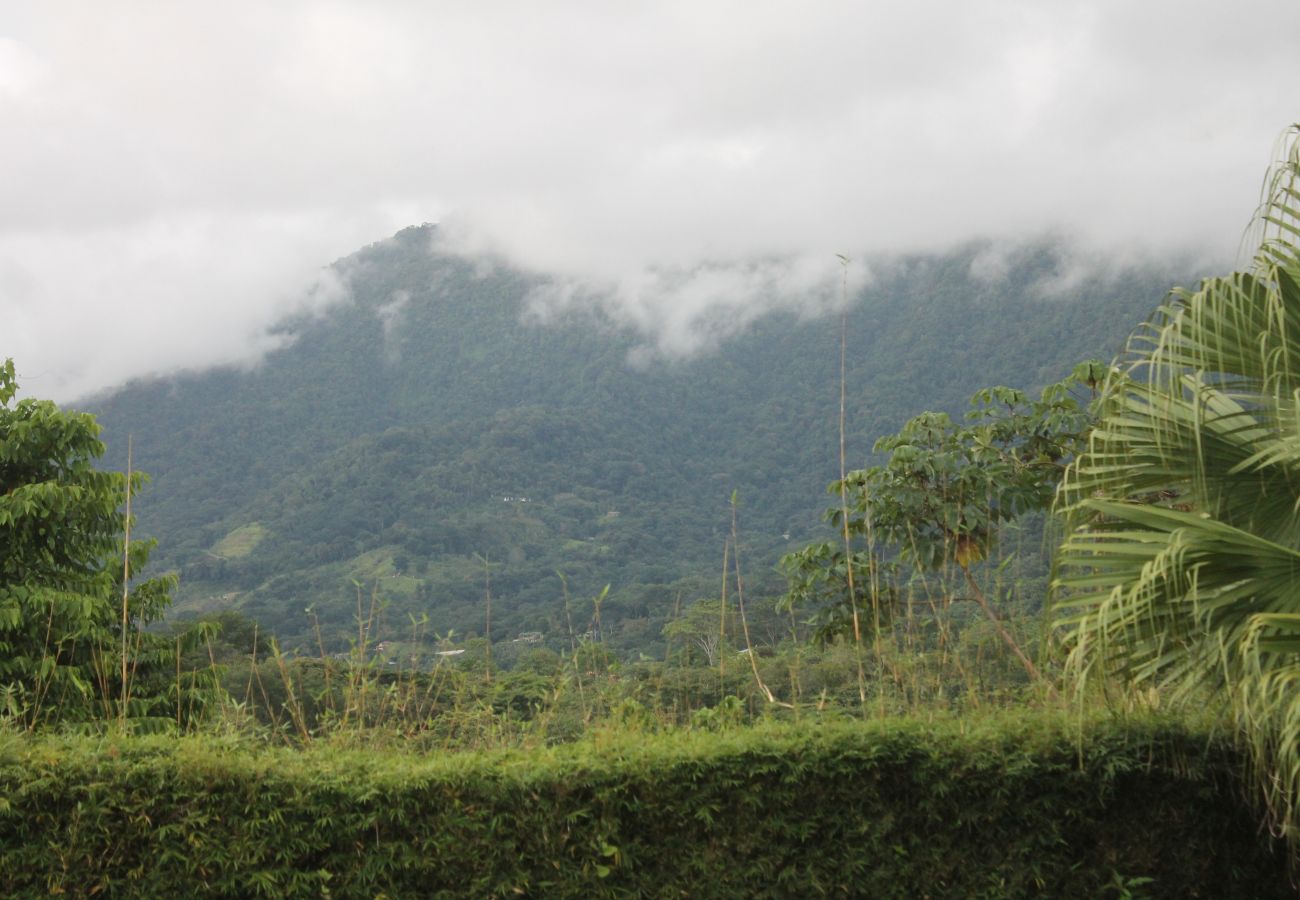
<point>173,176</point>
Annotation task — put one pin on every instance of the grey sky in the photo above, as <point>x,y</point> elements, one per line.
<point>173,176</point>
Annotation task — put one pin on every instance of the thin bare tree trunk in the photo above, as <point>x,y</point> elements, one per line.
<point>1006,636</point>
<point>126,589</point>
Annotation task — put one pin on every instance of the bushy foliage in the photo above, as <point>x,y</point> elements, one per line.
<point>66,630</point>
<point>1014,806</point>
<point>1181,569</point>
<point>942,497</point>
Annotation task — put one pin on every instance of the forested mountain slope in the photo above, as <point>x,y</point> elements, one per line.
<point>427,425</point>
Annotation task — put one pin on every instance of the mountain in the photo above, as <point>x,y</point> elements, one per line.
<point>429,441</point>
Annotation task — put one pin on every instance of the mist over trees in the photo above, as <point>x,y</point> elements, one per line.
<point>431,418</point>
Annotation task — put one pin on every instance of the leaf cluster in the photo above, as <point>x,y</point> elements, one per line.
<point>941,496</point>
<point>1181,567</point>
<point>63,561</point>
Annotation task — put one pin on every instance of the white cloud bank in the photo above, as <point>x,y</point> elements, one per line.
<point>175,176</point>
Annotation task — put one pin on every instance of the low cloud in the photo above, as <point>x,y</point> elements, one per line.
<point>390,319</point>
<point>94,308</point>
<point>682,312</point>
<point>175,181</point>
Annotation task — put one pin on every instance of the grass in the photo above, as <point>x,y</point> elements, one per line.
<point>240,542</point>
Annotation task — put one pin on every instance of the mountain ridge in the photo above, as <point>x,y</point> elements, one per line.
<point>393,438</point>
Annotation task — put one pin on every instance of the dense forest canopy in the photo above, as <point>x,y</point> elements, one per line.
<point>430,422</point>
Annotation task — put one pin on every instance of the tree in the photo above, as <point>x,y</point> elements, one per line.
<point>1181,569</point>
<point>699,627</point>
<point>67,624</point>
<point>941,498</point>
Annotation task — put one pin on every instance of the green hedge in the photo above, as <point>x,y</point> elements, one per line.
<point>1013,806</point>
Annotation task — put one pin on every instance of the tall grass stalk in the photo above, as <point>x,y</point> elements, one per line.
<point>126,587</point>
<point>292,693</point>
<point>487,603</point>
<point>573,644</point>
<point>740,605</point>
<point>844,489</point>
<point>722,616</point>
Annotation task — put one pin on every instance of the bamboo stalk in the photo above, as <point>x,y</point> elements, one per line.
<point>844,490</point>
<point>126,587</point>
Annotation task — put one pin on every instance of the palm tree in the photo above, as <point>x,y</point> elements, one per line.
<point>1181,568</point>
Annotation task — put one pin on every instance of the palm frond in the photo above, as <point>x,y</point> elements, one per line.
<point>1181,568</point>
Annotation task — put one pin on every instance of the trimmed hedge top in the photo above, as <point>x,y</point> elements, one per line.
<point>1011,805</point>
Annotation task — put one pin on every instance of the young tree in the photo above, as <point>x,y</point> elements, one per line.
<point>940,499</point>
<point>62,567</point>
<point>698,628</point>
